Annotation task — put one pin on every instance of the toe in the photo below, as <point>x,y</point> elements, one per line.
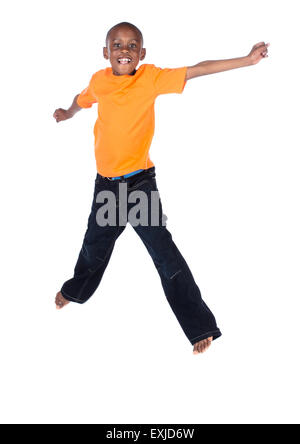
<point>203,345</point>
<point>207,343</point>
<point>200,346</point>
<point>59,301</point>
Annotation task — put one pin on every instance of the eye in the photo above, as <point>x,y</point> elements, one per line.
<point>116,44</point>
<point>133,44</point>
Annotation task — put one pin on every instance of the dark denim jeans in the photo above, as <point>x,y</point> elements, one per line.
<point>182,293</point>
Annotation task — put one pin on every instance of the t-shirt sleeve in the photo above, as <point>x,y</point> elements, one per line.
<point>168,80</point>
<point>86,98</point>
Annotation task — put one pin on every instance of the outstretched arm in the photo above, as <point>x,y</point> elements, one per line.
<point>259,51</point>
<point>64,114</point>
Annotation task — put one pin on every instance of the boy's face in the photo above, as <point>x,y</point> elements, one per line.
<point>124,43</point>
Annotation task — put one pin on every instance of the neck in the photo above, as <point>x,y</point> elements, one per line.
<point>131,74</point>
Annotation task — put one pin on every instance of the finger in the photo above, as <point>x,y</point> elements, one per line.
<point>259,44</point>
<point>266,48</point>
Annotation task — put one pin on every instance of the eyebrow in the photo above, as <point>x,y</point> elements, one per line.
<point>130,40</point>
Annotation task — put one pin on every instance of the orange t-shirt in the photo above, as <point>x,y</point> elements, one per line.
<point>125,125</point>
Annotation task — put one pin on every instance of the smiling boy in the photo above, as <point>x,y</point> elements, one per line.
<point>123,133</point>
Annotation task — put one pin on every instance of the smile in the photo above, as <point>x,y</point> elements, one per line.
<point>124,60</point>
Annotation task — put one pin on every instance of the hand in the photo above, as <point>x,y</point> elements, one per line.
<point>62,114</point>
<point>259,51</point>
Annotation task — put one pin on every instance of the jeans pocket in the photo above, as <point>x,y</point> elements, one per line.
<point>137,184</point>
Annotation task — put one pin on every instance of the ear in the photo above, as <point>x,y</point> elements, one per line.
<point>105,53</point>
<point>143,54</point>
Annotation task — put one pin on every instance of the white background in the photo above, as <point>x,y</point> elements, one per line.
<point>226,152</point>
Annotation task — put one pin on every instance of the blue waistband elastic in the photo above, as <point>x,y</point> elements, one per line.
<point>126,175</point>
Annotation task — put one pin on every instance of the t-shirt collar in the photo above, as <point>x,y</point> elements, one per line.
<point>109,72</point>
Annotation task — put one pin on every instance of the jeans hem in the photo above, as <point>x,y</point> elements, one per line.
<point>70,298</point>
<point>215,334</point>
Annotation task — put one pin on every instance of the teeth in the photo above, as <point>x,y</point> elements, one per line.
<point>124,60</point>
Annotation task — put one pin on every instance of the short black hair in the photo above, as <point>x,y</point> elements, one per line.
<point>125,25</point>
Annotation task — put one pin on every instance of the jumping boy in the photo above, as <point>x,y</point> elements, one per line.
<point>123,133</point>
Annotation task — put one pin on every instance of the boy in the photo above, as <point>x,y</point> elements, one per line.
<point>123,134</point>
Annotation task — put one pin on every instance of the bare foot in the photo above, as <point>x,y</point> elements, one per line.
<point>60,301</point>
<point>202,346</point>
